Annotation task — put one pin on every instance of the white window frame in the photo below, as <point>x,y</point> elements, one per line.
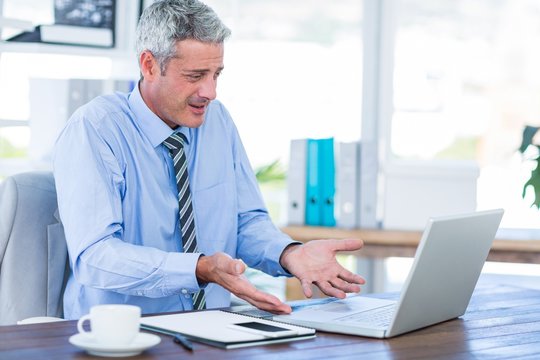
<point>377,104</point>
<point>377,162</point>
<point>124,65</point>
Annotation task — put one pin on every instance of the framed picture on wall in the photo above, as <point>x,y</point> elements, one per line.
<point>66,22</point>
<point>87,13</point>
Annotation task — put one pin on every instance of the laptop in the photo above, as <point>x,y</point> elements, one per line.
<point>446,267</point>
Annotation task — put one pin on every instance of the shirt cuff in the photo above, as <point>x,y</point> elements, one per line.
<point>179,269</point>
<point>275,252</point>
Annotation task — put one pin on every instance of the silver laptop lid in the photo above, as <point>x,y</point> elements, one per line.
<point>445,269</point>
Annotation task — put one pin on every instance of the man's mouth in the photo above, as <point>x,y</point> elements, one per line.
<point>198,108</point>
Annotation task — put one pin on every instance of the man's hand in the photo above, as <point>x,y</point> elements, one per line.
<point>221,269</point>
<point>315,263</point>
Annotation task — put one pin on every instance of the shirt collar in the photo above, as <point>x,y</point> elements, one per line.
<point>150,124</point>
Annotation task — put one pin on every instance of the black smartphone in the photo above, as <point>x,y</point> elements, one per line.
<point>263,329</point>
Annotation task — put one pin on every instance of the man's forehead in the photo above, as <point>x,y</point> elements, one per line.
<point>189,48</point>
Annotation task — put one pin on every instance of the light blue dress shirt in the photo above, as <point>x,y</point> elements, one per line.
<point>118,202</point>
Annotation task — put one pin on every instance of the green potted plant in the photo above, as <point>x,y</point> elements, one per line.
<point>534,181</point>
<point>272,181</point>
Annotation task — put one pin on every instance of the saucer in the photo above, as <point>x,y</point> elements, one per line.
<point>142,342</point>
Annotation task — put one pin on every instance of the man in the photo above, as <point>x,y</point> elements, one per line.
<point>156,193</point>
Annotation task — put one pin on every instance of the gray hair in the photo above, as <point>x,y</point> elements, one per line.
<point>167,21</point>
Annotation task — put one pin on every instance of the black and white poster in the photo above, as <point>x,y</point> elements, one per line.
<point>90,13</point>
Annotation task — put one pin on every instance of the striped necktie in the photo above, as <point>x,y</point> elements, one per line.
<point>175,144</point>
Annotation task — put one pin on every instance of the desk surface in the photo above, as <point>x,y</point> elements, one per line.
<point>501,322</point>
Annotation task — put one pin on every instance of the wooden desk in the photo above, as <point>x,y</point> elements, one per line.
<point>388,243</point>
<point>501,322</point>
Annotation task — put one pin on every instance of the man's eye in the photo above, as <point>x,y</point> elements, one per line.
<point>195,77</point>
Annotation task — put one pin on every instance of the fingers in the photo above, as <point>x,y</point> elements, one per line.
<point>352,277</point>
<point>315,263</point>
<point>306,288</point>
<point>330,290</point>
<point>211,268</point>
<point>344,286</point>
<point>237,267</point>
<point>221,269</point>
<point>270,303</point>
<point>261,299</point>
<point>346,244</point>
<point>335,287</point>
<point>228,264</point>
<point>241,287</point>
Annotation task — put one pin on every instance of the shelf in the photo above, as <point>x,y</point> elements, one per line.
<point>42,48</point>
<point>389,243</point>
<point>10,123</point>
<point>127,14</point>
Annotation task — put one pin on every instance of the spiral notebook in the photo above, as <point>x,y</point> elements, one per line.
<point>226,329</point>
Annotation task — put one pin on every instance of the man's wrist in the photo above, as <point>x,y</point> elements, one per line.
<point>201,270</point>
<point>284,255</point>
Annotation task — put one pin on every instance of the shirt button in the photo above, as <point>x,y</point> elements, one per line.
<point>184,291</point>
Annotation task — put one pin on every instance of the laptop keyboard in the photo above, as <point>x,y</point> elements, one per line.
<point>380,317</point>
<point>295,305</point>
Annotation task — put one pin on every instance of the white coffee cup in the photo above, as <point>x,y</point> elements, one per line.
<point>112,325</point>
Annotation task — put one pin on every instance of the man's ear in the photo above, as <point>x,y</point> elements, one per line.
<point>149,65</point>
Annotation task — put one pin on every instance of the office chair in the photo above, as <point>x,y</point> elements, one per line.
<point>33,251</point>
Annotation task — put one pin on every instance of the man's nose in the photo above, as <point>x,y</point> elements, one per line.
<point>208,89</point>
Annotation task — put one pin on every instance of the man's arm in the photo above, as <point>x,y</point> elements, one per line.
<point>261,245</point>
<point>91,187</point>
<point>260,242</point>
<point>313,263</point>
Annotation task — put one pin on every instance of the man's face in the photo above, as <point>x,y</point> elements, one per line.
<point>182,93</point>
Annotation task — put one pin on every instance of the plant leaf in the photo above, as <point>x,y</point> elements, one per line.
<point>270,172</point>
<point>528,135</point>
<point>534,182</point>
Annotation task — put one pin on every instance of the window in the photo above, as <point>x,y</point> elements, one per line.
<point>26,135</point>
<point>22,131</point>
<point>466,81</point>
<point>292,70</point>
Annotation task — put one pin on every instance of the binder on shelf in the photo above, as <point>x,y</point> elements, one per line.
<point>348,185</point>
<point>326,181</point>
<point>68,35</point>
<point>312,213</point>
<point>296,182</point>
<point>320,182</point>
<point>77,23</point>
<point>77,35</point>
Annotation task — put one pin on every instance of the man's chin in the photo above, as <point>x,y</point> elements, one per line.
<point>193,121</point>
